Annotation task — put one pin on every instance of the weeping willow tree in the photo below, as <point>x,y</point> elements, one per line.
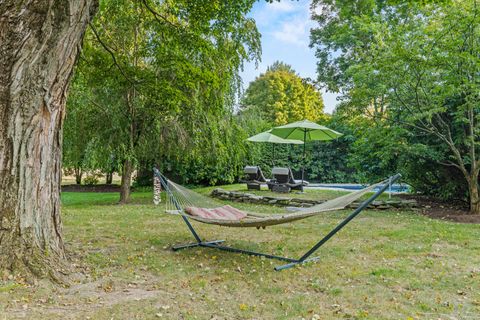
<point>163,76</point>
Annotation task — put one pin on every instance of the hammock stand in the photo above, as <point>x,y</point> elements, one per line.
<point>216,244</point>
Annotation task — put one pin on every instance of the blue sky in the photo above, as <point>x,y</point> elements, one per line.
<point>285,28</point>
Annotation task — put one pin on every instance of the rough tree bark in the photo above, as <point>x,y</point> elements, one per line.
<point>127,167</point>
<point>474,197</point>
<point>126,182</point>
<point>39,43</point>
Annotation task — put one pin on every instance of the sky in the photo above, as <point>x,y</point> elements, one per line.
<point>285,29</point>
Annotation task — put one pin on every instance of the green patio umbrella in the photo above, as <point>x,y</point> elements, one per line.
<point>270,138</point>
<point>307,131</point>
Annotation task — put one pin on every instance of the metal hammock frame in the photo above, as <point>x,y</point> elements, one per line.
<point>216,244</point>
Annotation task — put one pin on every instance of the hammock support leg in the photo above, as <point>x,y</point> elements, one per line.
<point>214,245</point>
<point>305,258</point>
<point>293,264</point>
<point>195,244</point>
<point>252,253</point>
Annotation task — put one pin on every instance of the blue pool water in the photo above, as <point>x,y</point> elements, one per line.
<point>397,188</point>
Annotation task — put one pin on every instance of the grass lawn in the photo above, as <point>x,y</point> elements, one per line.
<point>384,265</point>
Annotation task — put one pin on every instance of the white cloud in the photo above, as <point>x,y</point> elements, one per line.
<point>269,13</point>
<point>293,31</point>
<point>285,28</point>
<point>287,21</point>
<point>282,6</point>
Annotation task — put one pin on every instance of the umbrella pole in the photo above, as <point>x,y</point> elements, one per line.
<point>273,155</point>
<point>303,164</point>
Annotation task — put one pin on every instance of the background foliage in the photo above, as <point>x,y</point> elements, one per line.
<point>158,84</point>
<point>158,81</point>
<point>408,75</point>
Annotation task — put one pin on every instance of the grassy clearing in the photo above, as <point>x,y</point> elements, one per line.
<point>384,265</point>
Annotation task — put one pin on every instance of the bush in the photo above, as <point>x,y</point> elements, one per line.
<point>91,179</point>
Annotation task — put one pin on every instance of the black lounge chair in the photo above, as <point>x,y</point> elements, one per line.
<point>254,177</point>
<point>283,181</point>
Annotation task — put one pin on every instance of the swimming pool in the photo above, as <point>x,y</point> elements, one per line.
<point>396,187</point>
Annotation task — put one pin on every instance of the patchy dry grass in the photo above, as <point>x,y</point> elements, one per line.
<point>384,265</point>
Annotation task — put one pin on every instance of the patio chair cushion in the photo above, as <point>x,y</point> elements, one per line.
<point>250,170</point>
<point>280,171</point>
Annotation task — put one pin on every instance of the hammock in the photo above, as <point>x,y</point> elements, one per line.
<point>192,205</point>
<point>184,201</point>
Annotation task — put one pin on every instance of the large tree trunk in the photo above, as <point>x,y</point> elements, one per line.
<point>127,164</point>
<point>109,178</point>
<point>474,196</point>
<point>126,182</point>
<point>39,43</point>
<point>78,175</point>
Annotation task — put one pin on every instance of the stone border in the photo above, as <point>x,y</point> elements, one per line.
<point>297,202</point>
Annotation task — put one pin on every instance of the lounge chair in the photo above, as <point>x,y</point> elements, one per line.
<point>254,177</point>
<point>283,180</point>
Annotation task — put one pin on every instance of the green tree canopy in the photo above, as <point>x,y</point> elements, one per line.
<point>163,77</point>
<point>281,96</point>
<point>411,68</point>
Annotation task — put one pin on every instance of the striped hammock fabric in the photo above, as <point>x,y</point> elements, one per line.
<point>220,213</point>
